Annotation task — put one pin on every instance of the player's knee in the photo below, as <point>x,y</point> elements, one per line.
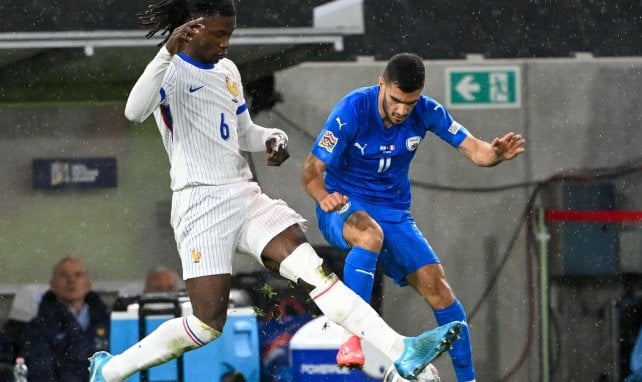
<point>212,319</point>
<point>363,231</point>
<point>305,268</point>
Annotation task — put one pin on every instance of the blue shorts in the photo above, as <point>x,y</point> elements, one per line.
<point>404,250</point>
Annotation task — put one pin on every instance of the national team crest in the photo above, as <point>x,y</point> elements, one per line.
<point>412,143</point>
<point>233,88</point>
<point>328,141</point>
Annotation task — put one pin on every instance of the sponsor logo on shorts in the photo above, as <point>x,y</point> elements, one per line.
<point>328,141</point>
<point>345,208</point>
<point>196,256</point>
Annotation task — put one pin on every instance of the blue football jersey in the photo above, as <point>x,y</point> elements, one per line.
<point>367,161</point>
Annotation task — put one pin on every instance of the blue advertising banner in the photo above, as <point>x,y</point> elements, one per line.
<point>62,173</point>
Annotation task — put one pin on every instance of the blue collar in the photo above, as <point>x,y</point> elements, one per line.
<point>192,61</point>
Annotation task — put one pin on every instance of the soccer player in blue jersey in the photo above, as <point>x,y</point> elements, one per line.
<point>357,172</point>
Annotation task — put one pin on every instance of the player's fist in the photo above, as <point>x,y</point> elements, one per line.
<point>276,148</point>
<point>333,202</point>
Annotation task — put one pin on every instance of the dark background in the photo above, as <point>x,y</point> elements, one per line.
<point>432,29</point>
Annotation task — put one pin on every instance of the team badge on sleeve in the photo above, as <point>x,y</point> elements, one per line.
<point>328,141</point>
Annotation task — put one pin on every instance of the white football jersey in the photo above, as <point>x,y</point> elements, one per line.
<point>197,119</point>
<point>199,109</point>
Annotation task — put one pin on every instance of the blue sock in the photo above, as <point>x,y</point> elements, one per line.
<point>462,351</point>
<point>359,271</point>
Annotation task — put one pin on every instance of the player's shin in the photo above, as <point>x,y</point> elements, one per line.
<point>359,271</point>
<point>461,352</point>
<point>171,339</point>
<point>339,303</point>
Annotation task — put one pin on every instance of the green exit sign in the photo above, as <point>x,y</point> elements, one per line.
<point>483,87</point>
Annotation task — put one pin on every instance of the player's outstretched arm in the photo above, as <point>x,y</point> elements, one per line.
<point>487,154</point>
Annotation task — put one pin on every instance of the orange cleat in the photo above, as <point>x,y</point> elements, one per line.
<point>350,354</point>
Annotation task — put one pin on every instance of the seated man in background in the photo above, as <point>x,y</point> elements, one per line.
<point>72,323</point>
<point>161,279</point>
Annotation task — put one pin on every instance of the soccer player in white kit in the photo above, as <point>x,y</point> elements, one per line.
<point>196,96</point>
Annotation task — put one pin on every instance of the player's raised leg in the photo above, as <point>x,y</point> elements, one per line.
<point>341,305</point>
<point>352,229</point>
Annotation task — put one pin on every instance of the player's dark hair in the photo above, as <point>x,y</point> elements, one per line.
<point>406,71</point>
<point>170,14</point>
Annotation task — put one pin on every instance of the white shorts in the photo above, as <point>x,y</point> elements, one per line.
<point>212,223</point>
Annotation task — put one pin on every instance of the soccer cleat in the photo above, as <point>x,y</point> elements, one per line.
<point>96,363</point>
<point>421,350</point>
<point>350,354</point>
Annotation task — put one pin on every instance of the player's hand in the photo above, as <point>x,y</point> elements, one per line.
<point>182,35</point>
<point>276,148</point>
<point>333,202</point>
<point>508,146</point>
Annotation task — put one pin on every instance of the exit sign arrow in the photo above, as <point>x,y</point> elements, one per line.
<point>483,87</point>
<point>467,86</point>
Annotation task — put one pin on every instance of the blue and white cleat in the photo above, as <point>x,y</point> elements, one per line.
<point>419,351</point>
<point>96,363</point>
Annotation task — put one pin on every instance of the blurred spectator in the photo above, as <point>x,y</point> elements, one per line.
<point>160,279</point>
<point>24,307</point>
<point>72,323</point>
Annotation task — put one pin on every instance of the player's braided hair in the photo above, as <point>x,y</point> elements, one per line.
<point>170,14</point>
<point>406,70</point>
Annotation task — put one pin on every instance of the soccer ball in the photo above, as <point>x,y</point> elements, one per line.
<point>429,374</point>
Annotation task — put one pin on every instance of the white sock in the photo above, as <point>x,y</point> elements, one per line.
<point>343,306</point>
<point>339,303</point>
<point>171,339</point>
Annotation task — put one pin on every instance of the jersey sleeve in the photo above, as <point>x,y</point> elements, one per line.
<point>337,133</point>
<point>441,123</point>
<point>147,93</point>
<point>252,137</point>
